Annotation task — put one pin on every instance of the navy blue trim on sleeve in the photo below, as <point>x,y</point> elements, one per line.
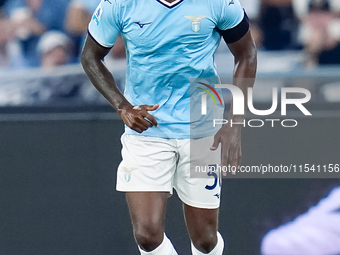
<point>88,32</point>
<point>236,33</point>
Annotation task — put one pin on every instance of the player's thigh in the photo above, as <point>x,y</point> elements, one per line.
<point>198,189</point>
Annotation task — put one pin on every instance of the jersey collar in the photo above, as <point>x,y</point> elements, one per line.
<point>170,5</point>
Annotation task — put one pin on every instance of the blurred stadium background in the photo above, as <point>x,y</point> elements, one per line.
<point>60,142</point>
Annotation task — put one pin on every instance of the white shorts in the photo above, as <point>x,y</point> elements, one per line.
<point>158,164</point>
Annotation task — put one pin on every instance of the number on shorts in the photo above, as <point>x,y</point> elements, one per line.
<point>215,174</point>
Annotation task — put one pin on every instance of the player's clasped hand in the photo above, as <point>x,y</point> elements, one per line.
<point>138,118</point>
<point>230,139</point>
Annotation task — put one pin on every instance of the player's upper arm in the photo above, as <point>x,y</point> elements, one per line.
<point>92,51</point>
<point>244,49</point>
<point>105,25</point>
<point>233,23</point>
<point>234,28</point>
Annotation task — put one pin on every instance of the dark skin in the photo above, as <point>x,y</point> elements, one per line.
<point>92,59</point>
<point>147,209</point>
<point>244,52</point>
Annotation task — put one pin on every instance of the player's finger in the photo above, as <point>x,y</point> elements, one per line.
<point>144,122</point>
<point>239,160</point>
<point>224,161</point>
<point>215,143</point>
<point>151,119</point>
<point>138,127</point>
<point>232,160</point>
<point>150,107</point>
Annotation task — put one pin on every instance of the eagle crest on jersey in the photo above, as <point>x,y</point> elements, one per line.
<point>196,22</point>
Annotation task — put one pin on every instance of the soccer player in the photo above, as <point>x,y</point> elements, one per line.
<point>169,42</point>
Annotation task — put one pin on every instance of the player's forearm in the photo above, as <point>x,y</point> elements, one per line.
<point>103,80</point>
<point>244,77</point>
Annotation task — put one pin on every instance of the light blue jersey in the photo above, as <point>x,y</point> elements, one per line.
<point>167,45</point>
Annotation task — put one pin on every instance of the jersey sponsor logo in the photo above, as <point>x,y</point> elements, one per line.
<point>97,15</point>
<point>141,25</point>
<point>231,2</point>
<point>196,22</point>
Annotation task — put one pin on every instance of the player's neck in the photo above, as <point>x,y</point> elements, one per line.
<point>169,1</point>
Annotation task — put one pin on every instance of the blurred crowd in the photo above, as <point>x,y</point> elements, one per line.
<point>48,33</point>
<point>45,33</point>
<point>309,25</point>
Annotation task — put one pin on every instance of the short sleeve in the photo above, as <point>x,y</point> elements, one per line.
<point>105,26</point>
<point>231,14</point>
